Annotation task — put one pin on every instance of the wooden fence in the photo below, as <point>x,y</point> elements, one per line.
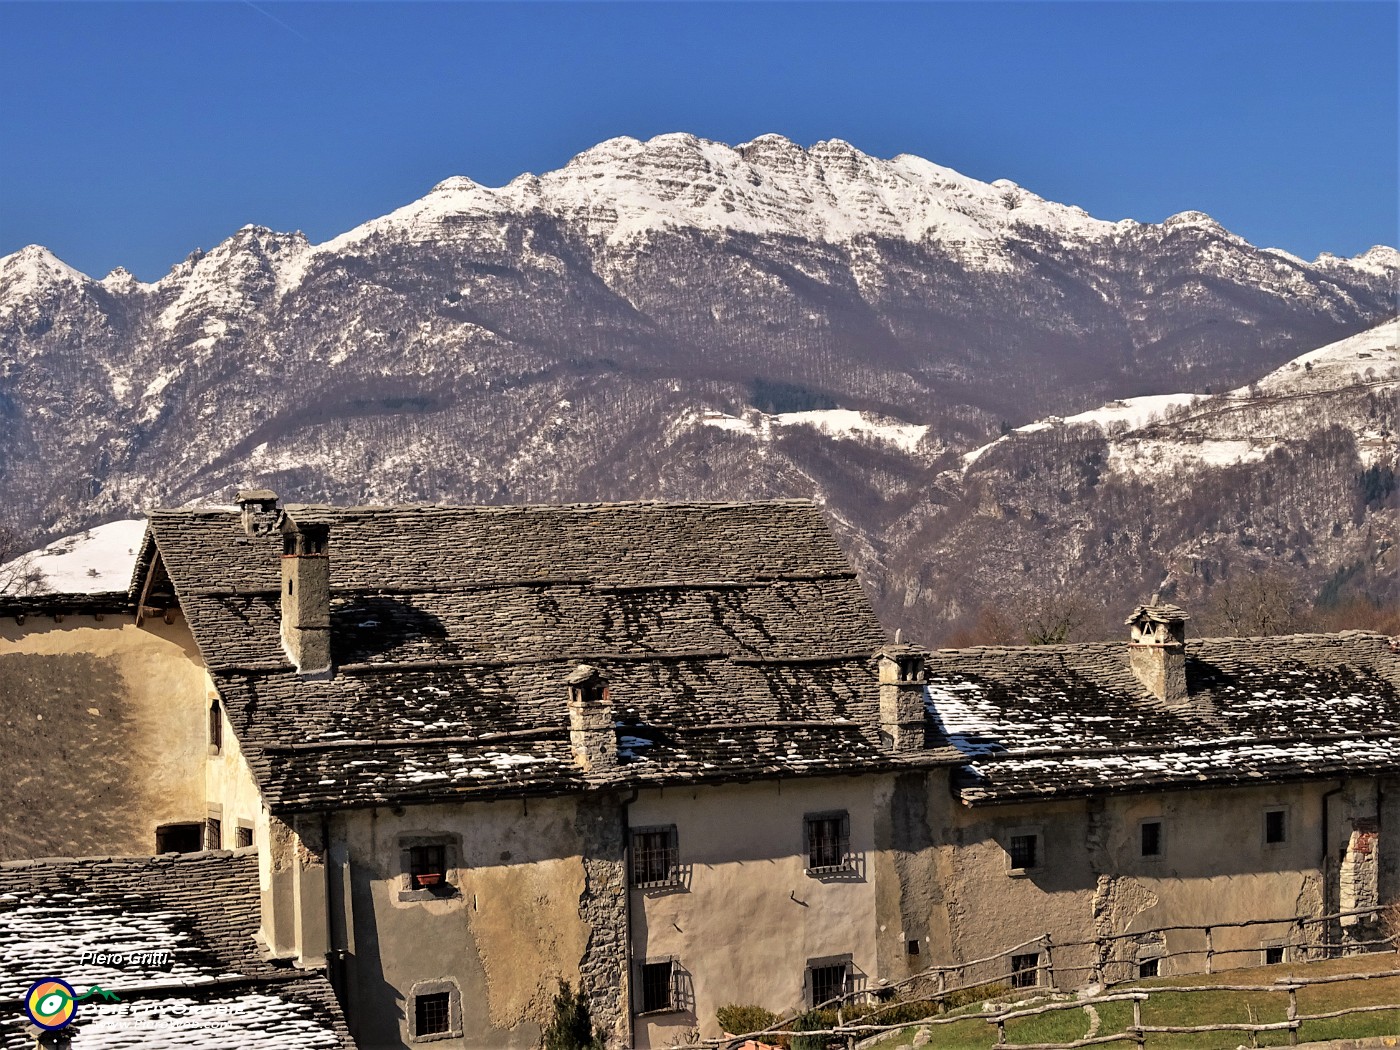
<point>999,971</point>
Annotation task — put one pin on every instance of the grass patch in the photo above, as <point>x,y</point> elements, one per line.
<point>1202,1008</point>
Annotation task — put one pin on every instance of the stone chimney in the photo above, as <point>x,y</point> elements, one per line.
<point>1157,650</point>
<point>306,597</point>
<point>902,681</point>
<point>261,516</point>
<point>591,731</point>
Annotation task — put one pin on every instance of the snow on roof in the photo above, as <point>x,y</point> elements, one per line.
<point>201,910</point>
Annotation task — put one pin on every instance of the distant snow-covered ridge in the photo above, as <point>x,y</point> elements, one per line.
<point>1371,358</point>
<point>624,189</point>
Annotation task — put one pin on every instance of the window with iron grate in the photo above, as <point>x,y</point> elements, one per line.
<point>432,1013</point>
<point>658,986</point>
<point>827,981</point>
<point>1025,970</point>
<point>1025,852</point>
<point>828,841</point>
<point>427,866</point>
<point>655,857</point>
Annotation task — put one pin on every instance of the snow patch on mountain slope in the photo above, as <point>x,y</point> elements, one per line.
<point>833,422</point>
<point>100,559</point>
<point>1371,356</point>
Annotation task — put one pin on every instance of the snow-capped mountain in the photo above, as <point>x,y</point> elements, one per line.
<point>655,318</point>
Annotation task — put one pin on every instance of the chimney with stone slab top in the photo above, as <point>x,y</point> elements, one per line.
<point>902,682</point>
<point>591,732</point>
<point>1157,650</point>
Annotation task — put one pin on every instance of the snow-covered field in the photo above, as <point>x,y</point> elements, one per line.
<point>100,559</point>
<point>834,422</point>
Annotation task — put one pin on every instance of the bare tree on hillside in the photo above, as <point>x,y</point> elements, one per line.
<point>1256,604</point>
<point>18,574</point>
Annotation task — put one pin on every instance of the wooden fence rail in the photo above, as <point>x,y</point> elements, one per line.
<point>1042,976</point>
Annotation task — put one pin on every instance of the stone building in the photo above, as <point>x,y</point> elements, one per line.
<point>662,751</point>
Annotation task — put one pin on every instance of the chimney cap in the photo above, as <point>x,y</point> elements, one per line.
<point>256,496</point>
<point>1157,612</point>
<point>583,673</point>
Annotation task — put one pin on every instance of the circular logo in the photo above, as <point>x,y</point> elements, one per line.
<point>50,1003</point>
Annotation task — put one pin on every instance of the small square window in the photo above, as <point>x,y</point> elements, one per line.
<point>912,947</point>
<point>1150,832</point>
<point>1024,852</point>
<point>1149,968</point>
<point>432,1013</point>
<point>828,841</point>
<point>828,981</point>
<point>243,836</point>
<point>1025,970</point>
<point>654,857</point>
<point>658,986</point>
<point>427,867</point>
<point>1275,826</point>
<point>1275,954</point>
<point>213,833</point>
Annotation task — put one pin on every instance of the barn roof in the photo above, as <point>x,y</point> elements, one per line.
<point>202,910</point>
<point>737,641</point>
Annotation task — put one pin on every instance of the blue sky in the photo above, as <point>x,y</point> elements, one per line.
<point>133,133</point>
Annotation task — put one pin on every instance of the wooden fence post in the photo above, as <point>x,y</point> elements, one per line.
<point>1292,1015</point>
<point>1098,971</point>
<point>1210,952</point>
<point>1049,964</point>
<point>1001,1031</point>
<point>1138,1035</point>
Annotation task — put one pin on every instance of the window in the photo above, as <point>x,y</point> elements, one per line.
<point>828,841</point>
<point>1148,968</point>
<point>1275,826</point>
<point>827,981</point>
<point>1151,837</point>
<point>658,986</point>
<point>216,725</point>
<point>213,833</point>
<point>654,857</point>
<point>243,836</point>
<point>427,863</point>
<point>1025,970</point>
<point>427,866</point>
<point>179,838</point>
<point>432,1013</point>
<point>912,947</point>
<point>1275,954</point>
<point>1024,852</point>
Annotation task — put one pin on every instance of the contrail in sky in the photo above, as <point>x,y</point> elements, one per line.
<point>279,21</point>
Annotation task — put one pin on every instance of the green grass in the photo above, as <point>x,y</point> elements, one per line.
<point>1201,1008</point>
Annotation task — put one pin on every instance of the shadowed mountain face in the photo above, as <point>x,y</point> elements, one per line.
<point>598,332</point>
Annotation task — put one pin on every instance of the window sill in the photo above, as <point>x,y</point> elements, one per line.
<point>660,1013</point>
<point>1021,873</point>
<point>436,1037</point>
<point>445,892</point>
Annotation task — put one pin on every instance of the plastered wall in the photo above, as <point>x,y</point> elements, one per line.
<point>102,726</point>
<point>748,916</point>
<point>1092,881</point>
<point>514,926</point>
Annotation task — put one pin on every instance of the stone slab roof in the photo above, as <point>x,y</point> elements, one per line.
<point>1067,720</point>
<point>200,908</point>
<point>453,629</point>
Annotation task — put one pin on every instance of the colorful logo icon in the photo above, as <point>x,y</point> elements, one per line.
<point>50,1003</point>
